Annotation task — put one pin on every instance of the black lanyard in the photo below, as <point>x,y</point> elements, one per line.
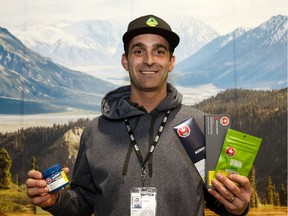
<point>134,144</point>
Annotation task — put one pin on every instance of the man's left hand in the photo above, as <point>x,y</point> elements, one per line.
<point>235,198</point>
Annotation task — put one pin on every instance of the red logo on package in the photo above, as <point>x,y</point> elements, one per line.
<point>230,151</point>
<point>48,180</point>
<point>224,120</point>
<point>183,131</point>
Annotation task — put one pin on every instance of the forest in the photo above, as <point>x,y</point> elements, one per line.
<point>262,113</point>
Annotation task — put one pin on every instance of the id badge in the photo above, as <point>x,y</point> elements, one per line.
<point>143,201</point>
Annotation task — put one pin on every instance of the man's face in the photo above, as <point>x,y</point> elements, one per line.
<point>148,62</point>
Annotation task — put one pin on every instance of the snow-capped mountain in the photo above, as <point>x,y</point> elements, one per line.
<point>99,42</point>
<point>194,34</point>
<point>74,44</point>
<point>255,58</point>
<point>28,76</point>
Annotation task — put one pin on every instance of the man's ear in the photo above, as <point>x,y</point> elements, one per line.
<point>172,63</point>
<point>124,61</point>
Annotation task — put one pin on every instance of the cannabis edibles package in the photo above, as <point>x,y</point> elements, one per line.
<point>216,126</point>
<point>193,141</point>
<point>238,153</point>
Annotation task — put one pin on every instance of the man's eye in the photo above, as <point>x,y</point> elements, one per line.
<point>160,52</point>
<point>138,52</point>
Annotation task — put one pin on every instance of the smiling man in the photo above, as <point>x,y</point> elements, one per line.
<point>148,61</point>
<point>131,152</point>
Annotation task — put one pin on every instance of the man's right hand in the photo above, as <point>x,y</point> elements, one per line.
<point>37,190</point>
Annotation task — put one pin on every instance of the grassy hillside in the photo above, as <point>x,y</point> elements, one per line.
<point>14,199</point>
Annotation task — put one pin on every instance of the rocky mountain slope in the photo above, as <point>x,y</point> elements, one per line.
<point>255,58</point>
<point>30,77</point>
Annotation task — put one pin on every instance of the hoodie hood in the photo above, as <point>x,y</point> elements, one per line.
<point>115,105</point>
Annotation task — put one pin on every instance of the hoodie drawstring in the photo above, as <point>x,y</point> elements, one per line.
<point>152,144</point>
<point>151,135</point>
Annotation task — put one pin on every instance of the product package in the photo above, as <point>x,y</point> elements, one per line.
<point>193,141</point>
<point>55,178</point>
<point>215,129</point>
<point>238,153</point>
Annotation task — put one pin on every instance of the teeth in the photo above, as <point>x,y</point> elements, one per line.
<point>148,72</point>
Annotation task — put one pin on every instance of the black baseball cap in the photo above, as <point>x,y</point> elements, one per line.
<point>151,24</point>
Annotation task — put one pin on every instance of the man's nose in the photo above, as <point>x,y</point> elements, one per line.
<point>149,59</point>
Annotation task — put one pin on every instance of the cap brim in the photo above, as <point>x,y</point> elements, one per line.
<point>172,38</point>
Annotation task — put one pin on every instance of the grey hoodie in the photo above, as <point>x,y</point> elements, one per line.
<point>99,185</point>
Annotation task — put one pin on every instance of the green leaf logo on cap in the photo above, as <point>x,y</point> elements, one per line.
<point>152,22</point>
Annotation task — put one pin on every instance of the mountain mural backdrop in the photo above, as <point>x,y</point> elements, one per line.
<point>34,83</point>
<point>99,42</point>
<point>245,58</point>
<point>255,58</point>
<point>35,78</point>
<point>37,84</point>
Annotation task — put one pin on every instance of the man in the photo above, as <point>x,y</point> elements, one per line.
<point>132,152</point>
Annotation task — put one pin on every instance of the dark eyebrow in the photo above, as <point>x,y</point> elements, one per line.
<point>159,45</point>
<point>138,45</point>
<point>142,45</point>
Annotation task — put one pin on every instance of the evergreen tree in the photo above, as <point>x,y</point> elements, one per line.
<point>254,196</point>
<point>283,195</point>
<point>264,201</point>
<point>33,164</point>
<point>276,200</point>
<point>270,191</point>
<point>16,180</point>
<point>5,165</point>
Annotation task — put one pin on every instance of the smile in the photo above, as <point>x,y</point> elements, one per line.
<point>148,72</point>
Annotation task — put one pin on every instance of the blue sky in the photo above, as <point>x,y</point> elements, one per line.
<point>223,15</point>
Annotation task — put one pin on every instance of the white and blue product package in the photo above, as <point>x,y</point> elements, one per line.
<point>193,140</point>
<point>55,178</point>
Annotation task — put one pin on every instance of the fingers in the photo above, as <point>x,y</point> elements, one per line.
<point>222,186</point>
<point>37,190</point>
<point>35,180</point>
<point>243,189</point>
<point>35,185</point>
<point>34,174</point>
<point>233,191</point>
<point>45,200</point>
<point>38,200</point>
<point>241,180</point>
<point>230,203</point>
<point>66,170</point>
<point>30,183</point>
<point>229,187</point>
